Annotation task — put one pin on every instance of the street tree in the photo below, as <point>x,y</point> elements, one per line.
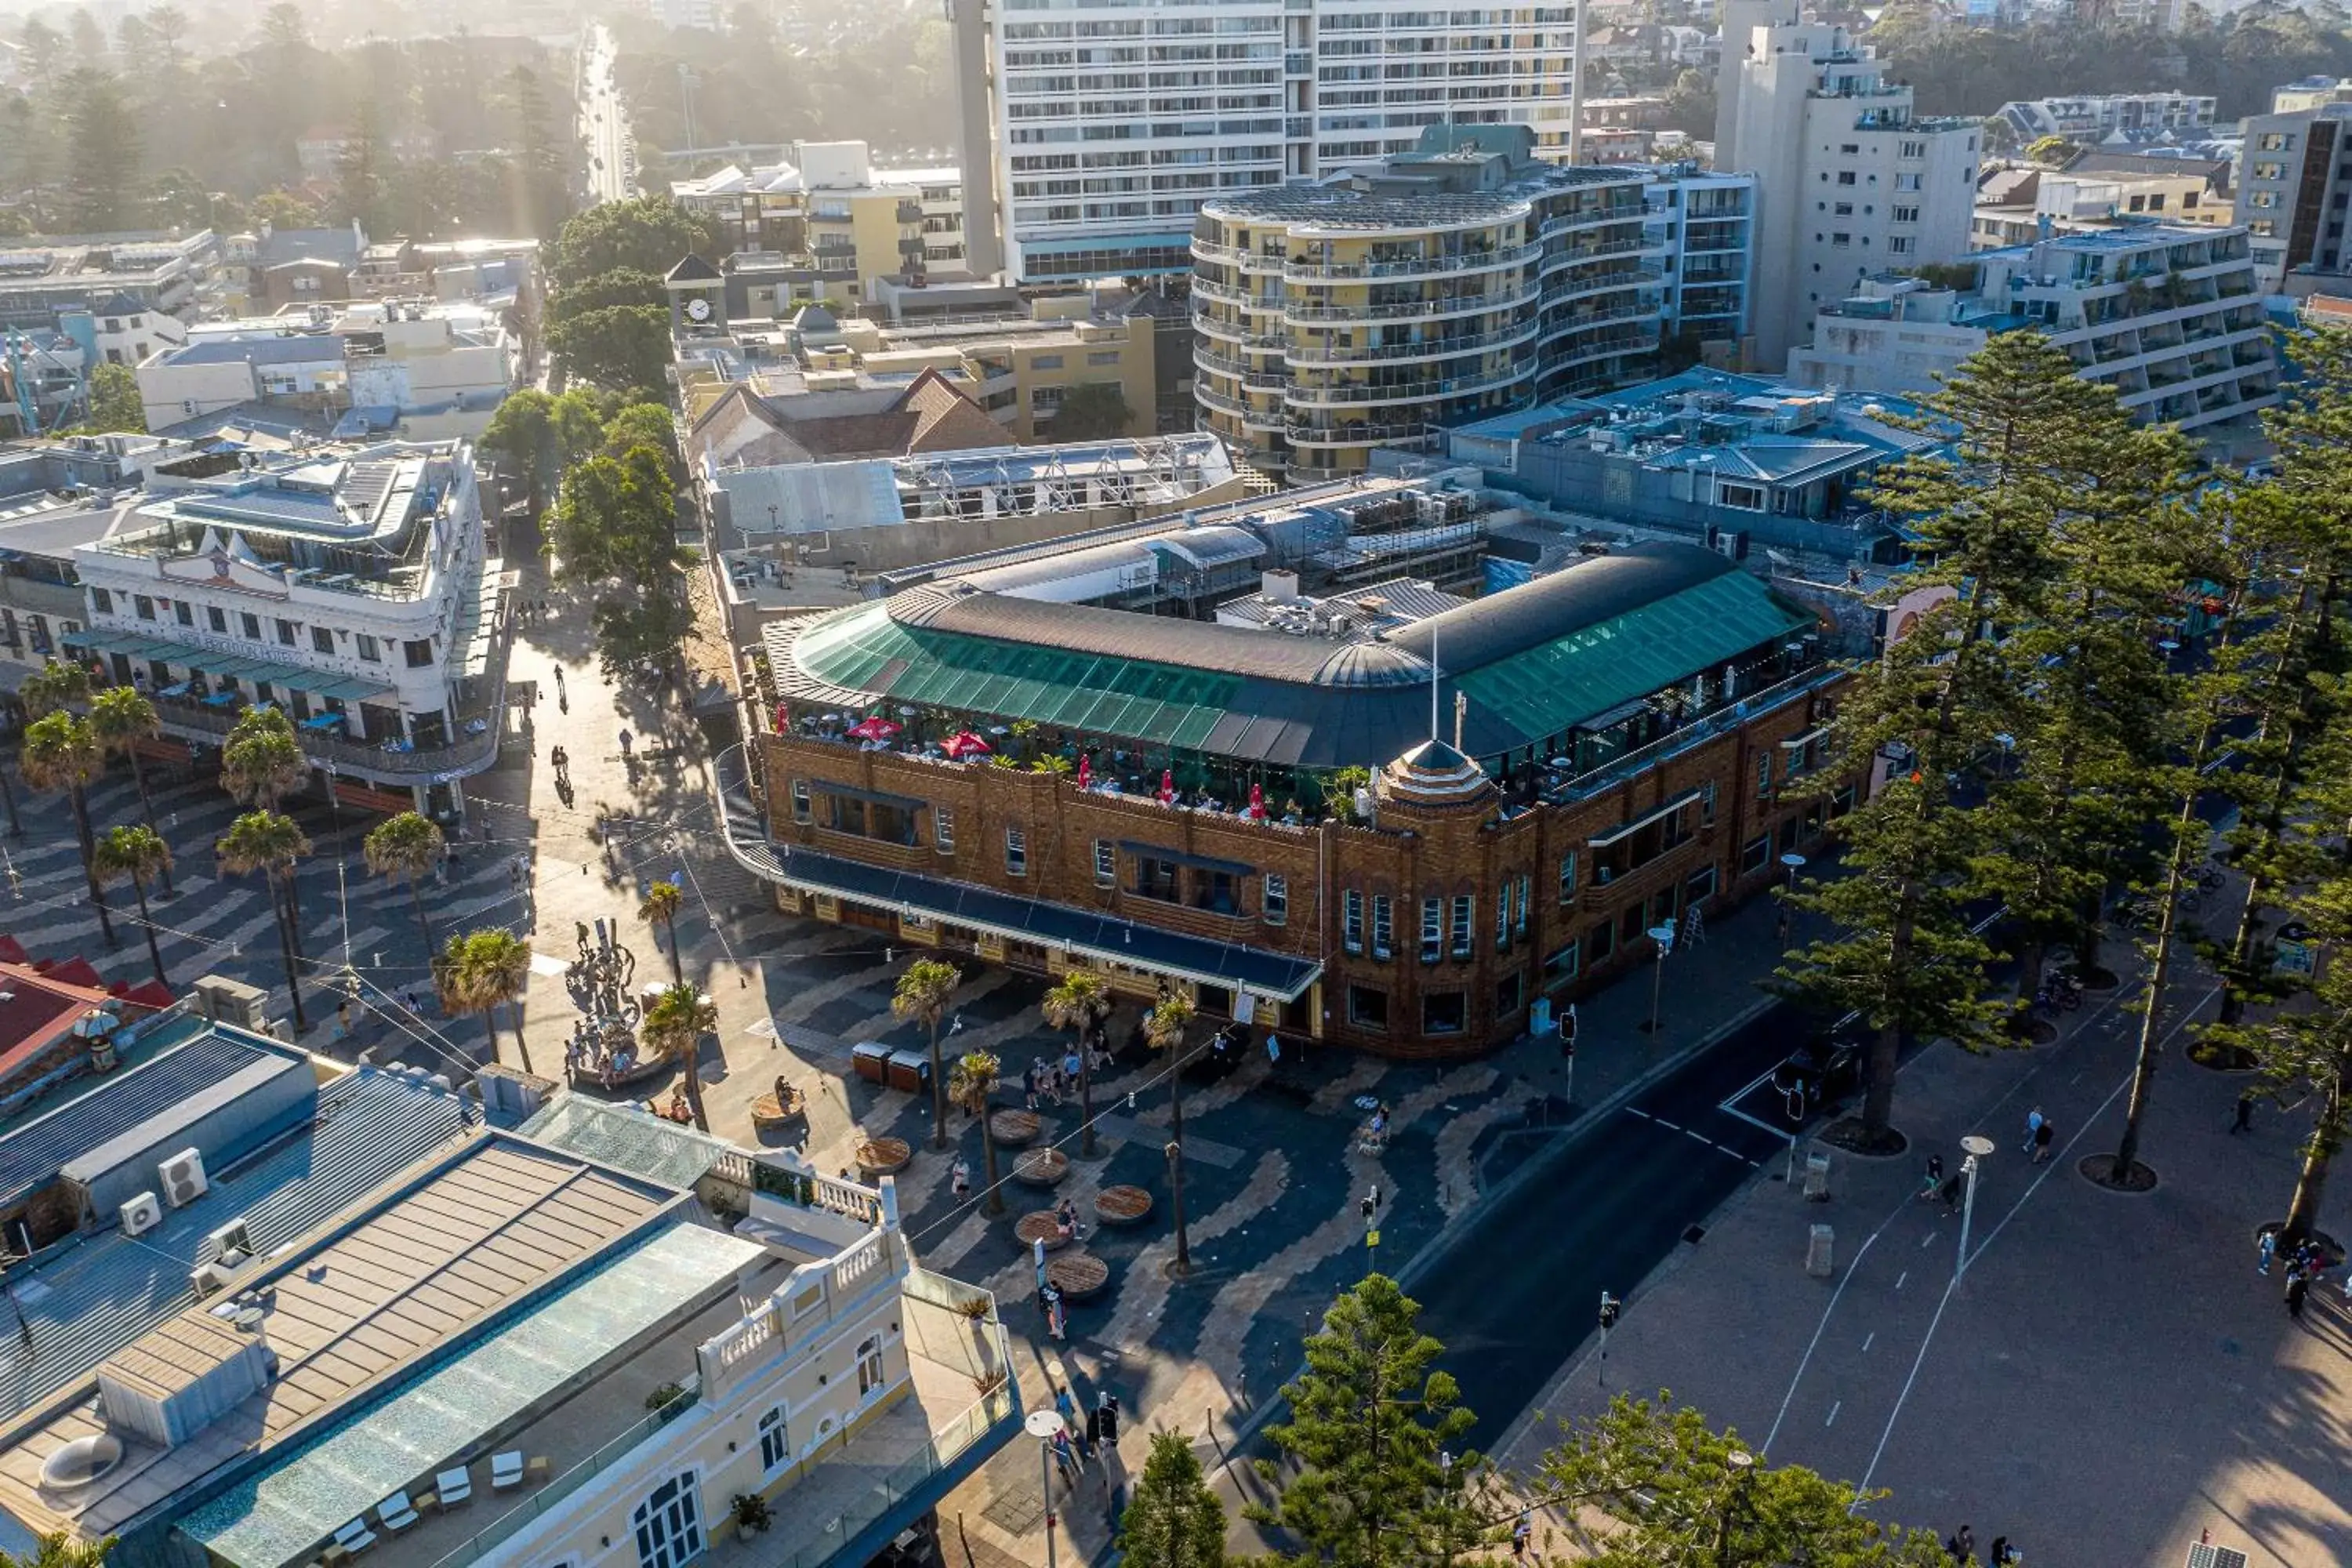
<point>123,717</point>
<point>621,348</point>
<point>1163,1030</point>
<point>1172,1518</point>
<point>1986,522</point>
<point>137,854</point>
<point>60,1550</point>
<point>407,847</point>
<point>642,425</point>
<point>971,1086</point>
<point>662,903</point>
<point>102,175</point>
<point>602,290</point>
<point>616,518</point>
<point>925,992</point>
<point>114,401</point>
<point>673,1029</point>
<point>650,234</point>
<point>1644,1483</point>
<point>1079,1002</point>
<point>61,751</point>
<point>537,437</point>
<point>266,842</point>
<point>54,686</point>
<point>1367,1429</point>
<point>480,971</point>
<point>261,761</point>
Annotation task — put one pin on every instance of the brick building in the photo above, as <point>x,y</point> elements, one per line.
<point>1633,739</point>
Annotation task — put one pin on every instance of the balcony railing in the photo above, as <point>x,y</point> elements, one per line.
<point>1408,310</point>
<point>1302,354</point>
<point>1368,434</point>
<point>470,755</point>
<point>1410,267</point>
<point>1721,721</point>
<point>1300,391</point>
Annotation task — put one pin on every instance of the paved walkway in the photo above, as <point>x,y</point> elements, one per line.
<point>2111,1377</point>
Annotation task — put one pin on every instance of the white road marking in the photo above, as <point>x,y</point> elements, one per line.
<point>1867,1338</point>
<point>1669,1126</point>
<point>1900,1277</point>
<point>1635,1110</point>
<point>1701,1137</point>
<point>1832,1415</point>
<point>1927,1241</point>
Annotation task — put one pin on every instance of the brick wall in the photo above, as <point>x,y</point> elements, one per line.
<point>1456,1005</point>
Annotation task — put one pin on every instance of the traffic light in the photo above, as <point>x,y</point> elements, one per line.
<point>1609,1307</point>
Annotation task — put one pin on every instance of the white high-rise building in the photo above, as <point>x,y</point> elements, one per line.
<point>1108,124</point>
<point>1849,181</point>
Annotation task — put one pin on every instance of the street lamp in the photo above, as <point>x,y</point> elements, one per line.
<point>1795,863</point>
<point>1976,1146</point>
<point>1663,935</point>
<point>1046,1426</point>
<point>1742,1466</point>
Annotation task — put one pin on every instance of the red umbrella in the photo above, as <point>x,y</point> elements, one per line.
<point>78,970</point>
<point>784,719</point>
<point>1257,801</point>
<point>1085,773</point>
<point>875,728</point>
<point>12,951</point>
<point>964,743</point>
<point>1167,787</point>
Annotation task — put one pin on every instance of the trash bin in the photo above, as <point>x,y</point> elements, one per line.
<point>1820,1250</point>
<point>1817,1178</point>
<point>910,1069</point>
<point>871,1059</point>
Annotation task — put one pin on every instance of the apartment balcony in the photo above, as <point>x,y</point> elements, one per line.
<point>1599,348</point>
<point>1407,268</point>
<point>1371,433</point>
<point>1309,395</point>
<point>1238,369</point>
<point>1221,293</point>
<point>1303,354</point>
<point>1558,290</point>
<point>192,721</point>
<point>1635,211</point>
<point>1209,397</point>
<point>1301,313</point>
<point>1576,254</point>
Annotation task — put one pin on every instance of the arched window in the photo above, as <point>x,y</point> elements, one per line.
<point>869,1366</point>
<point>669,1524</point>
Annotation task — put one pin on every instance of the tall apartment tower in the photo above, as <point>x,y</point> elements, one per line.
<point>1849,181</point>
<point>1110,123</point>
<point>2292,193</point>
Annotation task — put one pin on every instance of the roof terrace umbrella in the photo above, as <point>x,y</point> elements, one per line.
<point>1167,786</point>
<point>964,743</point>
<point>1257,801</point>
<point>875,728</point>
<point>1085,773</point>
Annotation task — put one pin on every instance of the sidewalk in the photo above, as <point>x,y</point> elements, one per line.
<point>2111,1377</point>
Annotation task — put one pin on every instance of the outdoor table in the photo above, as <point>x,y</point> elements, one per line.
<point>1122,1204</point>
<point>881,1156</point>
<point>1041,1167</point>
<point>1077,1275</point>
<point>1039,1226</point>
<point>1010,1129</point>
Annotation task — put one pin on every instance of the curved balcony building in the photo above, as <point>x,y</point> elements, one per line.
<point>1461,280</point>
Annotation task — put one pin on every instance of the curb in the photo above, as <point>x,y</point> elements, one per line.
<point>1434,1250</point>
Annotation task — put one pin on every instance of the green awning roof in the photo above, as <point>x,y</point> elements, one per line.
<point>1551,688</point>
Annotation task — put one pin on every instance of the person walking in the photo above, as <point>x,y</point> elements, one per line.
<point>2042,1136</point>
<point>1094,1430</point>
<point>2001,1552</point>
<point>2265,1249</point>
<point>1064,1460</point>
<point>2297,1289</point>
<point>1064,1407</point>
<point>1519,1534</point>
<point>960,1178</point>
<point>1962,1543</point>
<point>2033,1129</point>
<point>1108,1408</point>
<point>2243,1122</point>
<point>625,738</point>
<point>1935,1179</point>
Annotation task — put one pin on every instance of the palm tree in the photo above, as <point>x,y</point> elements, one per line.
<point>924,993</point>
<point>124,717</point>
<point>59,1549</point>
<point>974,1083</point>
<point>136,853</point>
<point>478,971</point>
<point>1164,1027</point>
<point>261,761</point>
<point>61,751</point>
<point>662,903</point>
<point>1079,1003</point>
<point>407,847</point>
<point>52,688</point>
<point>673,1028</point>
<point>266,842</point>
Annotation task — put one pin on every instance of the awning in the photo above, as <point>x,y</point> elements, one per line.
<point>1076,931</point>
<point>1613,834</point>
<point>230,665</point>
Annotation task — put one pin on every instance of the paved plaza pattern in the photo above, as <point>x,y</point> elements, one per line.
<point>2110,1360</point>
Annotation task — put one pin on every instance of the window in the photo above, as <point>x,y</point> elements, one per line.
<point>669,1524</point>
<point>1764,775</point>
<point>800,800</point>
<point>774,1446</point>
<point>2272,141</point>
<point>1706,804</point>
<point>1841,240</point>
<point>417,652</point>
<point>1382,931</point>
<point>250,624</point>
<point>1503,918</point>
<point>216,618</point>
<point>1903,213</point>
<point>1849,149</point>
<point>1432,928</point>
<point>1524,890</point>
<point>1601,942</point>
<point>1352,920</point>
<point>1562,965</point>
<point>869,1367</point>
<point>1367,1006</point>
<point>144,607</point>
<point>183,612</point>
<point>1845,176</point>
<point>1899,244</point>
<point>285,635</point>
<point>365,646</point>
<point>101,602</point>
<point>1701,885</point>
<point>1911,149</point>
<point>1105,864</point>
<point>1568,877</point>
<point>1840,803</point>
<point>1046,362</point>
<point>1755,854</point>
<point>322,639</point>
<point>1508,990</point>
<point>1017,852</point>
<point>1275,905</point>
<point>1464,919</point>
<point>2262,228</point>
<point>1907,182</point>
<point>1748,497</point>
<point>1444,1011</point>
<point>943,829</point>
<point>2264,199</point>
<point>1845,209</point>
<point>1103,356</point>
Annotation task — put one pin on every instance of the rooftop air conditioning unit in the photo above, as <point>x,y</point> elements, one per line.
<point>232,1244</point>
<point>182,1178</point>
<point>140,1214</point>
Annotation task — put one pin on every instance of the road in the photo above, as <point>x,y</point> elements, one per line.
<point>603,128</point>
